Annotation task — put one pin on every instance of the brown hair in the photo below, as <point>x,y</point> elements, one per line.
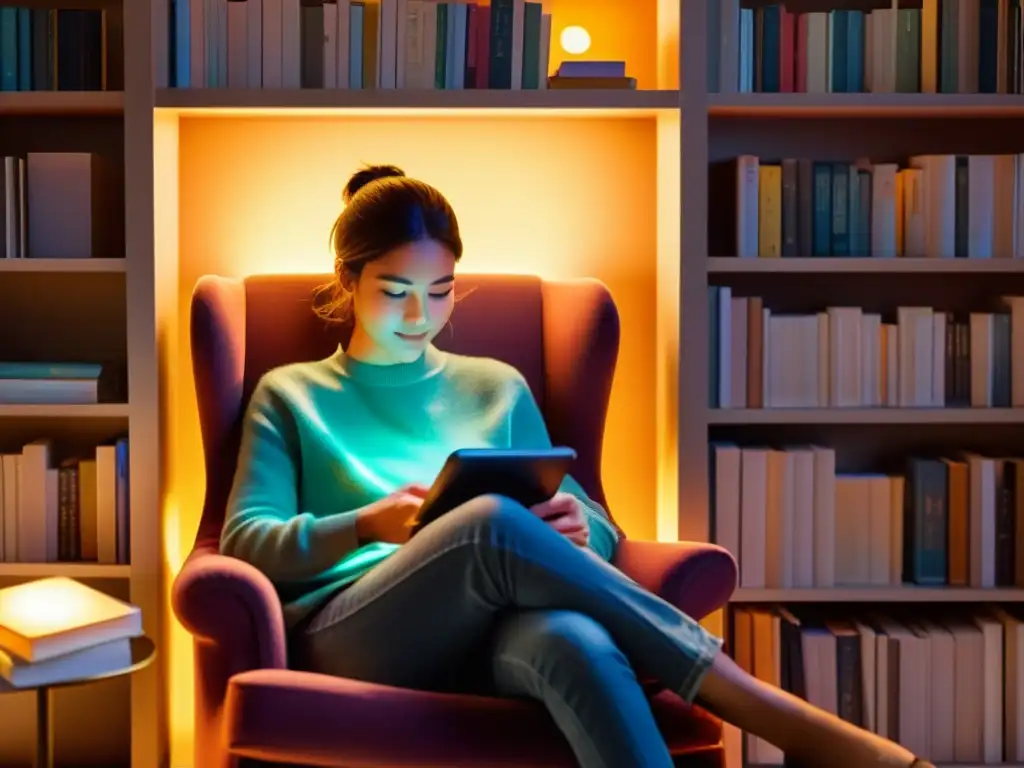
<point>384,209</point>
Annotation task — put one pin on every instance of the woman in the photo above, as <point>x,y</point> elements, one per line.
<point>336,458</point>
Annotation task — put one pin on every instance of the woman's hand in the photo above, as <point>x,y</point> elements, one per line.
<point>389,520</point>
<point>564,513</point>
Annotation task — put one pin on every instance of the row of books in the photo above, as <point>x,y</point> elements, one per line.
<point>937,206</point>
<point>847,357</point>
<point>792,521</point>
<point>74,510</point>
<point>945,46</point>
<point>43,49</point>
<point>413,44</point>
<point>43,187</point>
<point>946,684</point>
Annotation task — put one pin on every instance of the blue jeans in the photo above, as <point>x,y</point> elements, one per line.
<point>489,598</point>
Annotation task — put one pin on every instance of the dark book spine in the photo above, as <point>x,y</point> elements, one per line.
<point>822,234</point>
<point>925,522</point>
<point>63,513</point>
<point>790,207</point>
<point>501,44</point>
<point>1006,478</point>
<point>962,205</point>
<point>848,679</point>
<point>312,44</point>
<point>792,647</point>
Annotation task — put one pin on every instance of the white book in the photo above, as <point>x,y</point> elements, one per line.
<point>883,210</point>
<point>748,171</point>
<point>100,659</point>
<point>330,57</point>
<point>824,517</point>
<point>981,176</point>
<point>37,505</point>
<point>939,186</point>
<point>803,517</point>
<point>518,31</point>
<point>342,43</point>
<point>545,49</point>
<point>753,503</point>
<point>728,459</point>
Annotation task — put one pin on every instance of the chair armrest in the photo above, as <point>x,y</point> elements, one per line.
<point>227,603</point>
<point>696,578</point>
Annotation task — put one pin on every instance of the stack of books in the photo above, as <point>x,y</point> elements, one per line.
<point>591,75</point>
<point>57,630</point>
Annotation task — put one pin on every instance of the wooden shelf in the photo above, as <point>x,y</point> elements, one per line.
<point>902,594</point>
<point>817,105</point>
<point>732,265</point>
<point>62,265</point>
<point>753,416</point>
<point>71,570</point>
<point>97,411</point>
<point>200,102</point>
<point>61,103</point>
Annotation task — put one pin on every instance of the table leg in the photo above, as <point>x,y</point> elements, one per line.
<point>44,729</point>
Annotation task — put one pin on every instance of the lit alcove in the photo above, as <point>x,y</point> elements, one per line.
<point>556,183</point>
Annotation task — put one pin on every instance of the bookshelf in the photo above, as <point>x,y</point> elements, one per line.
<point>805,115</point>
<point>98,309</point>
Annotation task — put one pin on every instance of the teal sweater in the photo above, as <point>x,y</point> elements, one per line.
<point>321,440</point>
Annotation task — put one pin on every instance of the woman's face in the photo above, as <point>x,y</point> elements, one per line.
<point>401,302</point>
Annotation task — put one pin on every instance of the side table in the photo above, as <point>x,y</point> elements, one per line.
<point>143,653</point>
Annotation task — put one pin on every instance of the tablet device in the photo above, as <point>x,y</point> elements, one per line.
<point>526,476</point>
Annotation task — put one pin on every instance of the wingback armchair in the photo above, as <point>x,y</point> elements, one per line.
<point>249,706</point>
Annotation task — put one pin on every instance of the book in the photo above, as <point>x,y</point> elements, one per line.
<point>99,659</point>
<point>50,617</point>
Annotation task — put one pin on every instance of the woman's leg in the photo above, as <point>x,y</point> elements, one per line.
<point>570,663</point>
<point>412,620</point>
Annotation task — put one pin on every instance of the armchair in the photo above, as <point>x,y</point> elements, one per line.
<point>249,706</point>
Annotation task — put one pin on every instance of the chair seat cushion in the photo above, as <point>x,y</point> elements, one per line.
<point>301,717</point>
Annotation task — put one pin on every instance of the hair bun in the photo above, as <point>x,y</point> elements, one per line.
<point>367,174</point>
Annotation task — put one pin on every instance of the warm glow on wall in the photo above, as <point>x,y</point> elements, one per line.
<point>558,197</point>
<point>575,40</point>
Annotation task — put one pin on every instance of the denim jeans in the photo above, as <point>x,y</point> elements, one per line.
<point>490,599</point>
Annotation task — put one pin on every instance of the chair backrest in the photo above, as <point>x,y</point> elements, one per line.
<point>562,335</point>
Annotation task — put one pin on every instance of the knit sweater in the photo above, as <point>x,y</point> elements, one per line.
<point>323,439</point>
